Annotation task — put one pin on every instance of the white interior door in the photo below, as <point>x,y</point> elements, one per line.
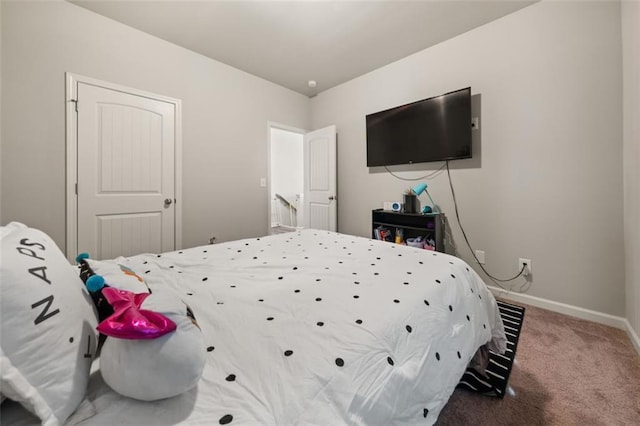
<point>320,179</point>
<point>125,173</point>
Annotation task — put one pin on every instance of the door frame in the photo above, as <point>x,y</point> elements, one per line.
<point>71,138</point>
<point>274,125</point>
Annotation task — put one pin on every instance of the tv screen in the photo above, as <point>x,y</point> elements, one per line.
<point>433,129</point>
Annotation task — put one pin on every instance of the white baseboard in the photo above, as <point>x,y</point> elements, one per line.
<point>635,339</point>
<point>574,311</point>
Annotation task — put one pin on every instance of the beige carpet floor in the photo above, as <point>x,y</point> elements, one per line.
<point>567,371</point>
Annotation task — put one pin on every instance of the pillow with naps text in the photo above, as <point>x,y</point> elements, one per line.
<point>48,325</point>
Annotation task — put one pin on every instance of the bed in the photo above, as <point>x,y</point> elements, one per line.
<point>313,328</point>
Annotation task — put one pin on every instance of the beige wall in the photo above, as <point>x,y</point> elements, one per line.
<point>631,105</point>
<point>545,182</point>
<point>225,115</point>
<point>1,222</point>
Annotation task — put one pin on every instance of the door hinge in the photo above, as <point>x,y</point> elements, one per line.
<point>76,188</point>
<point>75,101</point>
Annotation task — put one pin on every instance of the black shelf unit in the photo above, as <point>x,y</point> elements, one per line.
<point>411,225</point>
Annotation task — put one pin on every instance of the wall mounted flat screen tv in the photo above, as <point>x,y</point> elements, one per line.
<point>434,129</point>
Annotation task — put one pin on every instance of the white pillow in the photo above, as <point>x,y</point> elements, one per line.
<point>48,325</point>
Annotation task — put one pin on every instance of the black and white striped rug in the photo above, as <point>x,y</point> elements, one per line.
<point>499,368</point>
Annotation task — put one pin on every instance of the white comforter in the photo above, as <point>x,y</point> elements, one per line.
<point>316,328</point>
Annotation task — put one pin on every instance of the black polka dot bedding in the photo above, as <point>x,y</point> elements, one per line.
<point>316,328</point>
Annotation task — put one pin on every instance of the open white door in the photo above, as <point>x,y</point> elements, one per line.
<point>320,179</point>
<point>126,172</point>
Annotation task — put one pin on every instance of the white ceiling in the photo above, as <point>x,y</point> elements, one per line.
<point>292,42</point>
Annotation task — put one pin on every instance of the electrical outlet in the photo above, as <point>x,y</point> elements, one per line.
<point>480,256</point>
<point>527,266</point>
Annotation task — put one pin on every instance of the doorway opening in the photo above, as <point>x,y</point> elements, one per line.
<point>302,178</point>
<point>286,180</point>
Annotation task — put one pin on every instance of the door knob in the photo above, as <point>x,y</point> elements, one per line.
<point>167,202</point>
<point>332,197</point>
